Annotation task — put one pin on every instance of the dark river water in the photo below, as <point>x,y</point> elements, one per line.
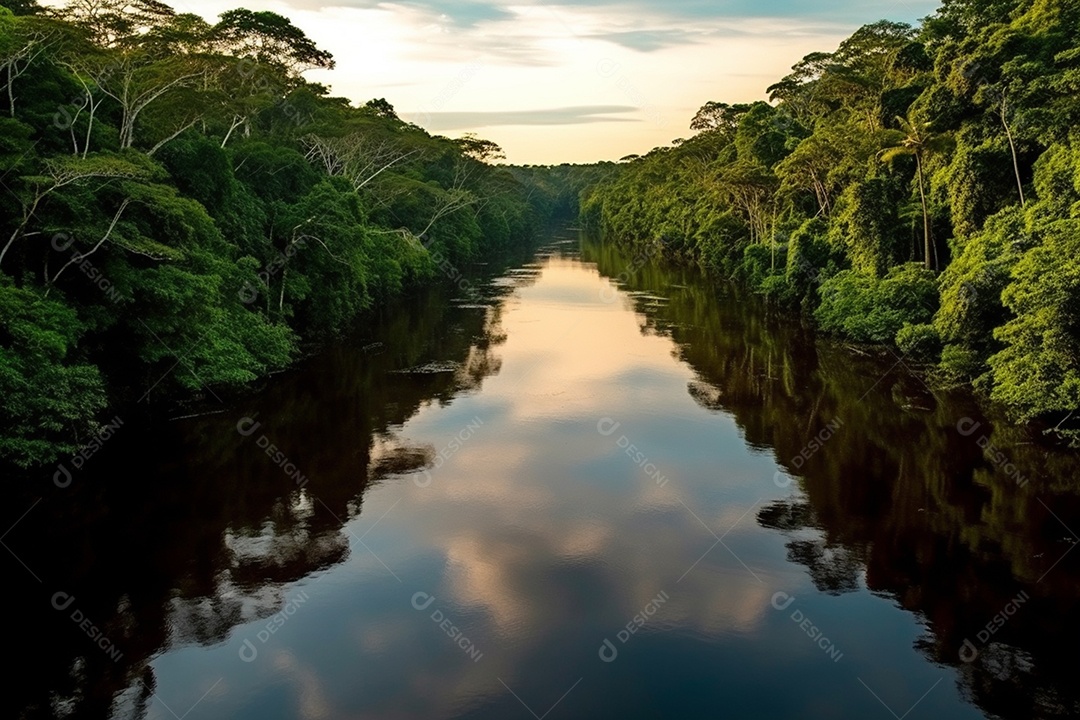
<point>585,486</point>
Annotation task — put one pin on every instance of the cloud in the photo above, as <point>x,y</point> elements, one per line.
<point>579,115</point>
<point>470,13</point>
<point>452,58</point>
<point>649,40</point>
<point>458,13</point>
<point>846,11</point>
<point>461,13</point>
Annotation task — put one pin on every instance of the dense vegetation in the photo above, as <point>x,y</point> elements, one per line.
<point>918,186</point>
<point>181,210</point>
<point>941,516</point>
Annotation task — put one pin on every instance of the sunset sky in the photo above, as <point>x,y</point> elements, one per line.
<point>571,81</point>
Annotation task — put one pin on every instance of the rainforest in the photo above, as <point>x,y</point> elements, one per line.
<point>318,402</point>
<point>919,188</point>
<point>183,214</point>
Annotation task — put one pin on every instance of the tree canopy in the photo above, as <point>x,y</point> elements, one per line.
<point>186,210</point>
<point>951,145</point>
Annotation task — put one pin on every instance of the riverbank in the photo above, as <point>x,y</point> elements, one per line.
<point>146,264</point>
<point>466,437</point>
<point>931,208</point>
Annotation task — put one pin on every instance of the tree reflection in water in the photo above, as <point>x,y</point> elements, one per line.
<point>180,531</point>
<point>177,532</point>
<point>901,501</point>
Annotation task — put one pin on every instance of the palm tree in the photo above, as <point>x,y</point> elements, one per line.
<point>916,139</point>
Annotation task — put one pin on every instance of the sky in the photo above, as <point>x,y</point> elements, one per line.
<point>566,80</point>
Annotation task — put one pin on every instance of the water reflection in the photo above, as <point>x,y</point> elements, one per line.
<point>498,492</point>
<point>909,500</point>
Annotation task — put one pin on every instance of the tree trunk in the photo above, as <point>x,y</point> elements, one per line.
<point>79,257</point>
<point>1012,149</point>
<point>10,89</point>
<point>281,297</point>
<point>89,126</point>
<point>925,213</point>
<point>236,122</point>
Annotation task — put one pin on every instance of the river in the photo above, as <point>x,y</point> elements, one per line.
<point>585,486</point>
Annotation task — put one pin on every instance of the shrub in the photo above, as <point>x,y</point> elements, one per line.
<point>961,364</point>
<point>755,264</point>
<point>864,309</point>
<point>1037,373</point>
<point>920,342</point>
<point>48,394</point>
<point>810,258</point>
<point>778,290</point>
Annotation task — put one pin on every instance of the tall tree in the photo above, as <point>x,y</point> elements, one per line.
<point>719,117</point>
<point>918,141</point>
<point>267,37</point>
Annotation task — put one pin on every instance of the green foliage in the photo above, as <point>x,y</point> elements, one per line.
<point>810,257</point>
<point>871,310</point>
<point>1037,373</point>
<point>49,395</point>
<point>960,364</point>
<point>199,210</point>
<point>919,342</point>
<point>267,37</point>
<point>721,242</point>
<point>952,145</point>
<point>778,290</point>
<point>971,286</point>
<point>974,182</point>
<point>756,265</point>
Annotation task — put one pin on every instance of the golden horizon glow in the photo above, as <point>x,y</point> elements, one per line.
<point>570,82</point>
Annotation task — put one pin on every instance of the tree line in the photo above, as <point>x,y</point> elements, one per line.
<point>919,186</point>
<point>182,212</point>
